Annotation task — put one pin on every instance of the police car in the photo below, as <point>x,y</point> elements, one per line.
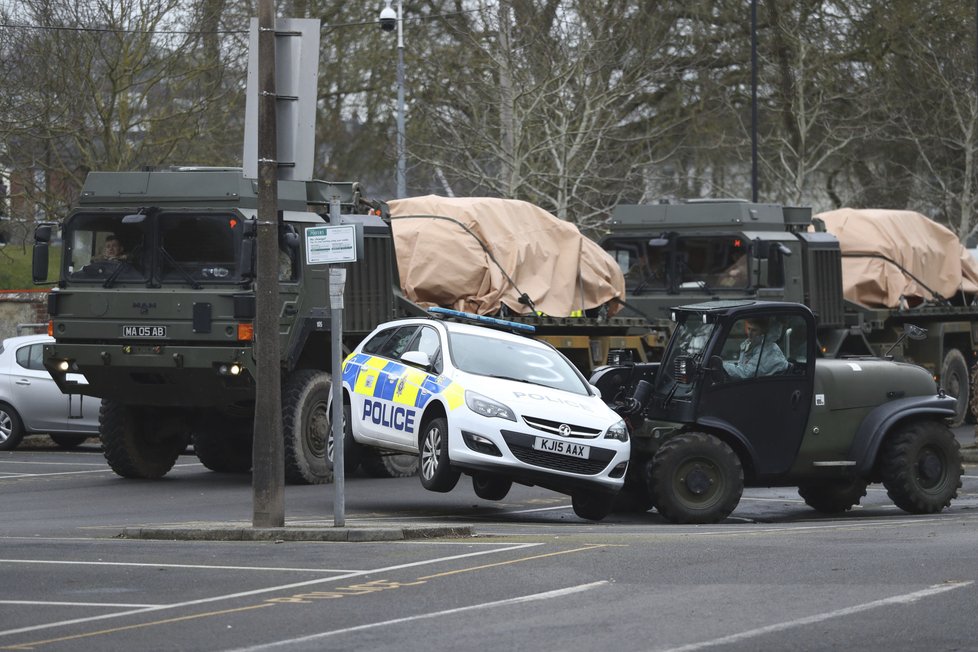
<point>494,405</point>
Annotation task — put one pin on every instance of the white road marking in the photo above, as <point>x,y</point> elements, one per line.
<point>907,598</point>
<point>270,589</point>
<point>558,593</point>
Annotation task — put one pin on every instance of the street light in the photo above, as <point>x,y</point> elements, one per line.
<point>389,19</point>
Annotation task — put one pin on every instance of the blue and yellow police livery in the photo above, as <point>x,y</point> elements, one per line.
<point>496,406</point>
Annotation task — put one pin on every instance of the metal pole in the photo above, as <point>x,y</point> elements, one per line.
<point>401,164</point>
<point>753,100</point>
<point>337,280</point>
<point>268,477</point>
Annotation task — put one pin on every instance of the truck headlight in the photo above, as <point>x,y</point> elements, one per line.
<point>618,431</point>
<point>487,407</point>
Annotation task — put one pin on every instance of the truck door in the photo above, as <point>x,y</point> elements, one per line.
<point>766,387</point>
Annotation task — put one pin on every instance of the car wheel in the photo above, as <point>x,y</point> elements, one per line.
<point>66,441</point>
<point>436,470</point>
<point>696,478</point>
<point>378,464</point>
<point>592,507</point>
<point>352,451</point>
<point>11,428</point>
<point>305,427</point>
<point>224,445</point>
<point>833,496</point>
<point>955,381</point>
<point>141,442</point>
<point>921,467</point>
<point>491,487</point>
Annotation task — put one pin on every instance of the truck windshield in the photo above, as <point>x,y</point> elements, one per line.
<point>712,262</point>
<point>184,248</point>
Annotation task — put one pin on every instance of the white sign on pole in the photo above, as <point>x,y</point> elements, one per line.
<point>331,244</point>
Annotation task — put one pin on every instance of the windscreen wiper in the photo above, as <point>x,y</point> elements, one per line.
<point>177,266</point>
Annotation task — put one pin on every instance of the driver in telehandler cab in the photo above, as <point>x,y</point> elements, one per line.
<point>760,354</point>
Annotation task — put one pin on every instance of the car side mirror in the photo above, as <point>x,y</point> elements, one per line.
<point>417,359</point>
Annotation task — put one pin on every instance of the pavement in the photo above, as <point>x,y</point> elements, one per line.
<point>243,531</point>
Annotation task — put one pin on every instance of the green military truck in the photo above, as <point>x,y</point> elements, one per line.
<point>155,304</point>
<point>741,398</point>
<point>696,250</point>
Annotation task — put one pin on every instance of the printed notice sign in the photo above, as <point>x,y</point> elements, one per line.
<point>331,244</point>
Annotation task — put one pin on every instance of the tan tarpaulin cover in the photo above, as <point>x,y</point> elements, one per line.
<point>929,251</point>
<point>442,264</point>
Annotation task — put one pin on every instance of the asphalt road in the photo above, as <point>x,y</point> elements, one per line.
<point>774,576</point>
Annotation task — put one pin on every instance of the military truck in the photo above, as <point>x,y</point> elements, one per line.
<point>163,330</point>
<point>741,398</point>
<point>696,250</point>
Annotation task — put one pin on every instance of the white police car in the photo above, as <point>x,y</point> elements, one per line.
<point>497,406</point>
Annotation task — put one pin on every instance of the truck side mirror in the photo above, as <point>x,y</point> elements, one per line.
<point>39,262</point>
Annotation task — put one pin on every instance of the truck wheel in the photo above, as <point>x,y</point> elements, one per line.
<point>955,381</point>
<point>11,428</point>
<point>352,451</point>
<point>305,427</point>
<point>491,487</point>
<point>389,465</point>
<point>921,466</point>
<point>435,467</point>
<point>696,478</point>
<point>224,448</point>
<point>833,496</point>
<point>140,442</point>
<point>592,507</point>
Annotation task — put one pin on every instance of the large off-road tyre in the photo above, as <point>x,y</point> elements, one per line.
<point>488,486</point>
<point>352,451</point>
<point>956,382</point>
<point>11,428</point>
<point>141,442</point>
<point>696,478</point>
<point>592,506</point>
<point>435,469</point>
<point>833,496</point>
<point>920,463</point>
<point>67,441</point>
<point>224,445</point>
<point>305,427</point>
<point>383,464</point>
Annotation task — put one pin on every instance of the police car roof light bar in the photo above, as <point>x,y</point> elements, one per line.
<point>482,319</point>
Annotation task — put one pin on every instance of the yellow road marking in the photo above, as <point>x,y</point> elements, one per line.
<point>512,561</point>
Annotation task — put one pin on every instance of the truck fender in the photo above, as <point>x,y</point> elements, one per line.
<point>877,423</point>
<point>742,445</point>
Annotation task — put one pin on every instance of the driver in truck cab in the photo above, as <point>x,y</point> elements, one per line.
<point>760,354</point>
<point>111,250</point>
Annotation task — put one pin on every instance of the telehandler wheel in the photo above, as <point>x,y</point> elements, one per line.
<point>140,442</point>
<point>491,487</point>
<point>388,465</point>
<point>833,496</point>
<point>920,462</point>
<point>591,506</point>
<point>223,445</point>
<point>696,478</point>
<point>352,451</point>
<point>955,381</point>
<point>305,426</point>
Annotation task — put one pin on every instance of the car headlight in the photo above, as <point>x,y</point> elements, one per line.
<point>487,407</point>
<point>618,431</point>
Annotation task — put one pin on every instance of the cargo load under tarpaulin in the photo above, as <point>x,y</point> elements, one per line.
<point>446,248</point>
<point>877,243</point>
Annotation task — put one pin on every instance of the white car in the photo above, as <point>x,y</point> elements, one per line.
<point>30,401</point>
<point>497,406</point>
